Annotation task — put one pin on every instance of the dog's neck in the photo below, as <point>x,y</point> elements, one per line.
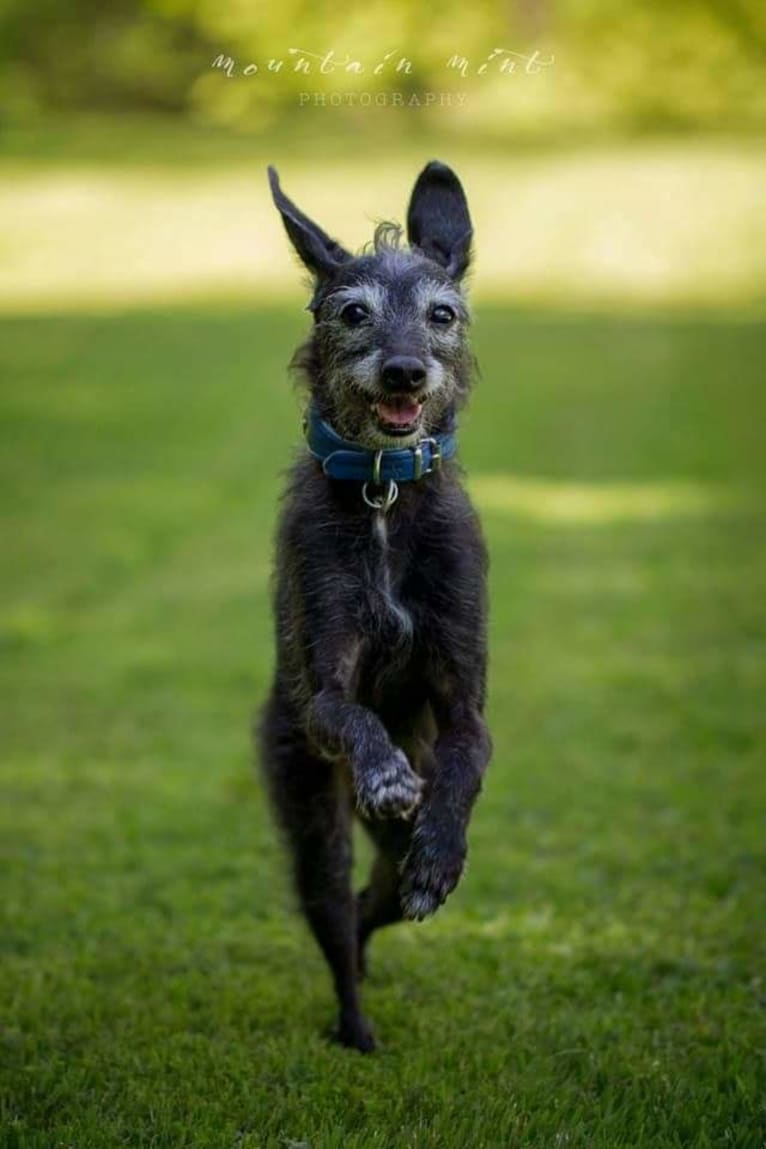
<point>345,459</point>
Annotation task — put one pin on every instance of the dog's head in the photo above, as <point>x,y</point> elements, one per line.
<point>388,359</point>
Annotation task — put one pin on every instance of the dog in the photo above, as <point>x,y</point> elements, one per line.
<point>380,589</point>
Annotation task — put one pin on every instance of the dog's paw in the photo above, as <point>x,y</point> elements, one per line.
<point>388,789</point>
<point>430,871</point>
<point>354,1032</point>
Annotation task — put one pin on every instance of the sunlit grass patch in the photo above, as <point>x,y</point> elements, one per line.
<point>619,225</point>
<point>547,501</point>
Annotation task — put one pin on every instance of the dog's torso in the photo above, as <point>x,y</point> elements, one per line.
<point>395,595</point>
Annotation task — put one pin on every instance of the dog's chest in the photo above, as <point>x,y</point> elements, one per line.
<point>389,615</point>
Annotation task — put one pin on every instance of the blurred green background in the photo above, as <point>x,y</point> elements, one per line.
<point>597,980</point>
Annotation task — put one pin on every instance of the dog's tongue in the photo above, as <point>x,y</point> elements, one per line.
<point>402,410</point>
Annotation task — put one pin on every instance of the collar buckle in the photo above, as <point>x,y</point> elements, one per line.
<point>436,457</point>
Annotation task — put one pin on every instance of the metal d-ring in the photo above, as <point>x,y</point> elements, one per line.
<point>383,502</point>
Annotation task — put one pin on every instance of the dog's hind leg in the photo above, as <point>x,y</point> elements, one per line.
<point>314,809</point>
<point>379,903</point>
<point>323,878</point>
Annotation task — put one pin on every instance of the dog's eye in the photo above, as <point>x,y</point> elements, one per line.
<point>354,313</point>
<point>442,314</point>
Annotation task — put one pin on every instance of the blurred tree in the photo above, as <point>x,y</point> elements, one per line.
<point>650,64</point>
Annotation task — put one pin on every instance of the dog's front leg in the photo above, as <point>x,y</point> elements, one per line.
<point>436,858</point>
<point>385,784</point>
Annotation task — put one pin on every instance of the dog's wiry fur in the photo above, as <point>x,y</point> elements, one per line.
<point>378,697</point>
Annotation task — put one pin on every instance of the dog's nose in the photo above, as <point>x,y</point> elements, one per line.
<point>403,373</point>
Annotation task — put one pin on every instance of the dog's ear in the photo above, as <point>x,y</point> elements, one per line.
<point>438,221</point>
<point>321,254</point>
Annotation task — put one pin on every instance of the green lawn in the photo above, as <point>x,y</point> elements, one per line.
<point>128,214</point>
<point>597,980</point>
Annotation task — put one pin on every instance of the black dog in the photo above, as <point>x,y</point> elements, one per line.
<point>380,586</point>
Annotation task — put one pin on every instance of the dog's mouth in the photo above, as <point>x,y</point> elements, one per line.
<point>398,414</point>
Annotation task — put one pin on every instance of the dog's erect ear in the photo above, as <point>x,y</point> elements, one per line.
<point>321,254</point>
<point>437,219</point>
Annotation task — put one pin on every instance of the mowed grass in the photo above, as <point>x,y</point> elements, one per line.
<point>597,980</point>
<point>147,220</point>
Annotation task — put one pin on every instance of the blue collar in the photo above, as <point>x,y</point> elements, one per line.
<point>343,460</point>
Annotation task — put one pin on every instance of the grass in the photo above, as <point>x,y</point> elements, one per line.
<point>103,215</point>
<point>597,979</point>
